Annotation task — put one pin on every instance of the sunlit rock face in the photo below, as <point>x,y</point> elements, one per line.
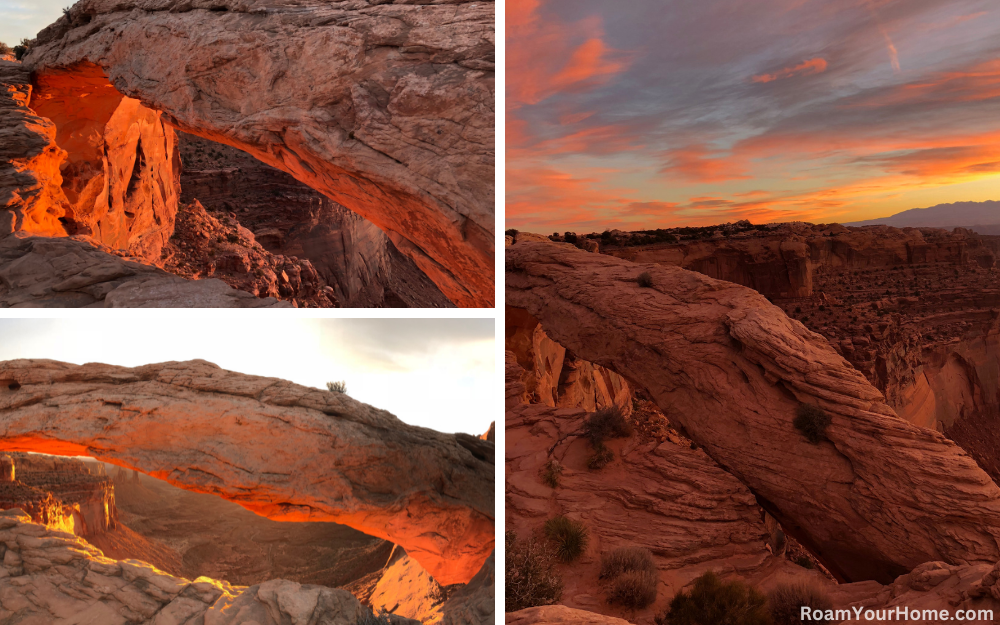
<point>284,451</point>
<point>388,109</point>
<point>122,173</point>
<point>732,369</point>
<point>48,576</point>
<point>31,196</point>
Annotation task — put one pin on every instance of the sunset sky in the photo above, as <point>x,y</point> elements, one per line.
<point>646,114</point>
<point>437,373</point>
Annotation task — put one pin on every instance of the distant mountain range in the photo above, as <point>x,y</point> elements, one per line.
<point>983,217</point>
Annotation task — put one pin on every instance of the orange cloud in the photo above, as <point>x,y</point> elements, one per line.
<point>805,68</point>
<point>694,163</point>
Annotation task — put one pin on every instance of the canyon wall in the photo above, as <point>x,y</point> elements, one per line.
<point>208,430</point>
<point>385,108</point>
<point>122,171</point>
<point>872,500</point>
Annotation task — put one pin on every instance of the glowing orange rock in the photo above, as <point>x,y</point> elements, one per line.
<point>388,109</point>
<point>284,451</point>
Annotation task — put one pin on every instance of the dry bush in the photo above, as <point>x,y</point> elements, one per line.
<point>711,600</point>
<point>337,387</point>
<point>787,602</point>
<point>645,280</point>
<point>530,576</point>
<point>632,577</point>
<point>569,537</point>
<point>607,423</point>
<point>551,472</point>
<point>601,458</point>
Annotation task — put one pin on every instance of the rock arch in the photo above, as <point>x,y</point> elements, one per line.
<point>284,451</point>
<point>877,498</point>
<point>388,109</point>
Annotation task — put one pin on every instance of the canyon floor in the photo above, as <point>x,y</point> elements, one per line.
<point>710,341</point>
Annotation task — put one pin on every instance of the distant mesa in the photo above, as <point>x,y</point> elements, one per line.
<point>981,217</point>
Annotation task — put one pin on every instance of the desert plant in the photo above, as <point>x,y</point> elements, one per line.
<point>607,423</point>
<point>4,49</point>
<point>511,232</point>
<point>711,600</point>
<point>22,48</point>
<point>787,601</point>
<point>614,563</point>
<point>601,458</point>
<point>530,575</point>
<point>812,421</point>
<point>645,280</point>
<point>67,10</point>
<point>634,590</point>
<point>805,562</point>
<point>551,472</point>
<point>631,576</point>
<point>337,387</point>
<point>569,537</point>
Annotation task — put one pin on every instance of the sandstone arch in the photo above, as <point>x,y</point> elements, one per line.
<point>284,451</point>
<point>878,498</point>
<point>388,109</point>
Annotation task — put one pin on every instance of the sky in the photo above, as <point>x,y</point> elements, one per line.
<point>22,19</point>
<point>652,113</point>
<point>436,373</point>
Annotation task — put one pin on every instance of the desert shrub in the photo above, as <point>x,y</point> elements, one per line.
<point>607,423</point>
<point>511,232</point>
<point>569,537</point>
<point>551,472</point>
<point>631,577</point>
<point>713,601</point>
<point>812,421</point>
<point>22,48</point>
<point>337,387</point>
<point>787,601</point>
<point>601,458</point>
<point>4,49</point>
<point>530,574</point>
<point>569,237</point>
<point>645,280</point>
<point>634,589</point>
<point>623,559</point>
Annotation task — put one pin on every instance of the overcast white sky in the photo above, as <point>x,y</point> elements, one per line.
<point>437,373</point>
<point>24,18</point>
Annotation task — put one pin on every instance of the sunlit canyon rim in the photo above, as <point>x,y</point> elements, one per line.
<point>384,109</point>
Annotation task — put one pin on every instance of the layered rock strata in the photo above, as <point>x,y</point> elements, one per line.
<point>385,108</point>
<point>283,451</point>
<point>874,499</point>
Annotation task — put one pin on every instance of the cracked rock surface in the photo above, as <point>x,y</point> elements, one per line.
<point>284,451</point>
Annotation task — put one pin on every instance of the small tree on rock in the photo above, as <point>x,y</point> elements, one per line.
<point>337,387</point>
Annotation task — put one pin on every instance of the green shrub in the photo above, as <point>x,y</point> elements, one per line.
<point>337,387</point>
<point>530,575</point>
<point>713,601</point>
<point>601,458</point>
<point>569,537</point>
<point>607,423</point>
<point>787,601</point>
<point>614,563</point>
<point>551,472</point>
<point>645,280</point>
<point>812,421</point>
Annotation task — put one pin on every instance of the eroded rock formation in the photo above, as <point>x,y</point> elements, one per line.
<point>385,108</point>
<point>352,256</point>
<point>49,576</point>
<point>283,451</point>
<point>876,498</point>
